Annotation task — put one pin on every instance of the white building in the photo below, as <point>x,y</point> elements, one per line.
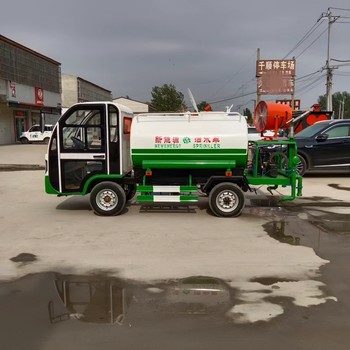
<point>76,89</point>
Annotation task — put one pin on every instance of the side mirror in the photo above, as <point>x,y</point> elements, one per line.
<point>321,138</point>
<point>42,121</point>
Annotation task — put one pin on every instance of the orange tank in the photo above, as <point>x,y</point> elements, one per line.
<point>271,116</point>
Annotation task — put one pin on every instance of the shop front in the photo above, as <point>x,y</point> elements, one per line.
<point>22,108</point>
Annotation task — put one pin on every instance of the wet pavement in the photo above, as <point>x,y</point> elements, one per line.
<point>53,311</point>
<point>174,277</point>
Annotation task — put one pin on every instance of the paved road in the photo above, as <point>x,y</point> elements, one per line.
<point>285,267</point>
<point>33,154</point>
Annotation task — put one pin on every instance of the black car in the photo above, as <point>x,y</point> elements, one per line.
<point>324,145</point>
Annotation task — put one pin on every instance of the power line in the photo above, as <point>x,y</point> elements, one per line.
<point>312,43</point>
<point>343,65</point>
<point>333,59</point>
<point>233,97</point>
<point>343,74</point>
<point>308,75</point>
<point>340,9</point>
<point>308,33</point>
<point>311,85</point>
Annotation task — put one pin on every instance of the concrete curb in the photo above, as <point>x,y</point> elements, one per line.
<point>20,167</point>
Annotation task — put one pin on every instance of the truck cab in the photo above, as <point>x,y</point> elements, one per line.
<point>89,139</point>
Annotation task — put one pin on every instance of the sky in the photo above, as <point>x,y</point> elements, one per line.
<point>209,47</point>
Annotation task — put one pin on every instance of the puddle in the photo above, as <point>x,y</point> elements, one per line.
<point>322,202</point>
<point>330,224</point>
<point>53,311</point>
<point>326,220</point>
<point>267,281</point>
<point>101,299</point>
<point>277,230</point>
<point>24,257</point>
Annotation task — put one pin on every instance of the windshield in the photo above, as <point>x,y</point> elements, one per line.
<point>82,129</point>
<point>311,130</point>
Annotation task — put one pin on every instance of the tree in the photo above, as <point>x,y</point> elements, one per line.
<point>167,99</point>
<point>248,114</point>
<point>338,99</point>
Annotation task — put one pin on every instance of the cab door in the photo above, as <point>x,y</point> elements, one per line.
<point>82,136</point>
<point>335,151</point>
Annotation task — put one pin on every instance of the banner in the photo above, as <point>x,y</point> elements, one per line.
<point>275,77</point>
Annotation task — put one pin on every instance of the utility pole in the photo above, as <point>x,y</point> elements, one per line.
<point>293,94</point>
<point>258,96</point>
<point>329,68</point>
<point>341,108</point>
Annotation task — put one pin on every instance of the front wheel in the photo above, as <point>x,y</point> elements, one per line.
<point>107,199</point>
<point>226,200</point>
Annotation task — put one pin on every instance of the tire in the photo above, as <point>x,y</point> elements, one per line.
<point>301,167</point>
<point>46,140</point>
<point>24,140</point>
<point>226,200</point>
<point>107,199</point>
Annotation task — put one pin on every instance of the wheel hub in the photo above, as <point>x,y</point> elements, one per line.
<point>107,200</point>
<point>226,201</point>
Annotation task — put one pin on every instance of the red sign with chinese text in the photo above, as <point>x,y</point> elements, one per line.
<point>289,103</point>
<point>39,96</point>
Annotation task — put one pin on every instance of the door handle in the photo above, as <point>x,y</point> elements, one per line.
<point>102,156</point>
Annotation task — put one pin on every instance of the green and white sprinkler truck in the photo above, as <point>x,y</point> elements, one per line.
<point>102,149</point>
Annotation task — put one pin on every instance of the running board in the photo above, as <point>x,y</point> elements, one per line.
<point>166,194</point>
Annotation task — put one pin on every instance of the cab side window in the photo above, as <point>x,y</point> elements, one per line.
<point>34,128</point>
<point>83,130</point>
<point>113,124</point>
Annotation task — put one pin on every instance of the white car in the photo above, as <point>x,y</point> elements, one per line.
<point>34,134</point>
<point>255,135</point>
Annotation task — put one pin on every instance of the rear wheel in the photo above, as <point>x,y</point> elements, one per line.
<point>24,140</point>
<point>107,199</point>
<point>226,200</point>
<point>46,140</point>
